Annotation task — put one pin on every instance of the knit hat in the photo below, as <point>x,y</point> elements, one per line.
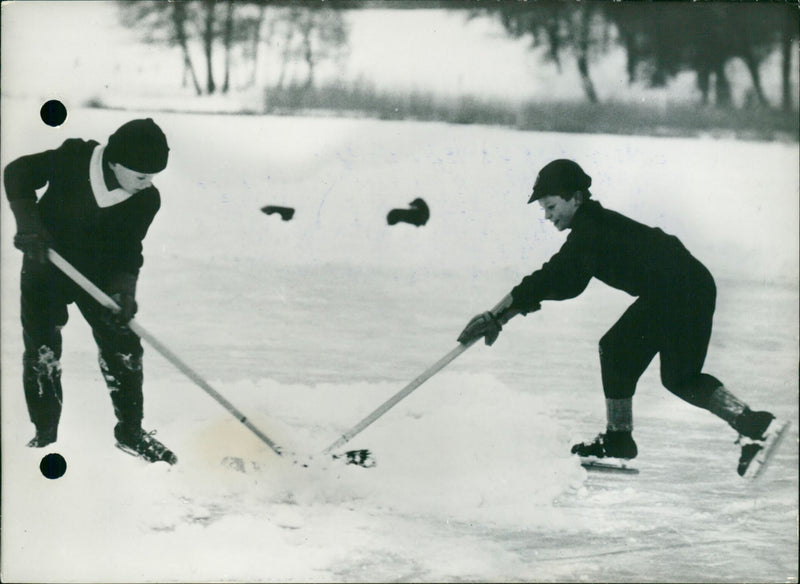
<point>139,145</point>
<point>559,177</point>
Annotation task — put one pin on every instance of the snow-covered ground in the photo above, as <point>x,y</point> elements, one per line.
<point>310,324</point>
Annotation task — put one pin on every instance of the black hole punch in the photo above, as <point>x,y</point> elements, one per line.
<point>53,466</point>
<point>53,113</point>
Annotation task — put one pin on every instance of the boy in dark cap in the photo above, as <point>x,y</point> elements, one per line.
<point>672,315</point>
<point>96,209</point>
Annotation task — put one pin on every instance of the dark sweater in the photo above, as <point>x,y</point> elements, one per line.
<point>640,260</point>
<point>98,241</point>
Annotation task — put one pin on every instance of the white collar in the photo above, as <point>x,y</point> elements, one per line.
<point>102,195</point>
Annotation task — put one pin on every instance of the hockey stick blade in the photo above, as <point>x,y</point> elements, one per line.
<point>362,458</point>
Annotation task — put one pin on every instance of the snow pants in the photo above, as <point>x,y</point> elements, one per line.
<point>677,326</point>
<point>45,295</point>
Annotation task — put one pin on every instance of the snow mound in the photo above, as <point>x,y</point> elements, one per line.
<point>444,451</point>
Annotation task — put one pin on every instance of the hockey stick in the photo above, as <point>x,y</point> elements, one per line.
<point>396,398</point>
<point>106,301</point>
<point>392,401</point>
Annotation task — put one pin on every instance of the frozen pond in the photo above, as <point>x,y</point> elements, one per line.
<point>308,325</point>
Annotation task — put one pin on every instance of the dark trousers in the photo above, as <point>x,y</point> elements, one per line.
<point>46,293</point>
<point>677,326</point>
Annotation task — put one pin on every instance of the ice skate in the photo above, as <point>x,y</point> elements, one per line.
<point>144,445</point>
<point>43,438</point>
<point>609,445</point>
<point>610,451</point>
<point>761,434</point>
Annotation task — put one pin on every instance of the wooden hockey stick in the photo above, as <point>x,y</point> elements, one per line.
<point>392,401</point>
<point>403,393</point>
<point>105,300</point>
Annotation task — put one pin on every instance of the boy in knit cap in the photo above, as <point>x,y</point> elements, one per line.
<point>672,315</point>
<point>96,210</point>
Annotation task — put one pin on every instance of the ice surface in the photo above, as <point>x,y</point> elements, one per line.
<point>308,325</point>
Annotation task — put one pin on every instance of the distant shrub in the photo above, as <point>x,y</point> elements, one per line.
<point>582,117</point>
<point>669,120</point>
<point>469,110</point>
<point>363,100</point>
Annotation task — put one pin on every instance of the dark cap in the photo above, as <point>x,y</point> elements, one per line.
<point>139,145</point>
<point>559,177</point>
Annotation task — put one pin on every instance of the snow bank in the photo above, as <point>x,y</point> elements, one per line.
<point>479,460</point>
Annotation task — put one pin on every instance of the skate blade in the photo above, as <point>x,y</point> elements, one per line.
<point>774,435</point>
<point>171,459</point>
<point>612,465</point>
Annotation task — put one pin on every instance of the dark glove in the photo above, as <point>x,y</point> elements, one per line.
<point>484,325</point>
<point>32,238</point>
<point>122,289</point>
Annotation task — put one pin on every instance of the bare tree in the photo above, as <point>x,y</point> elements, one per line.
<point>162,23</point>
<point>790,30</point>
<point>286,47</point>
<point>322,35</point>
<point>254,41</point>
<point>305,25</point>
<point>227,41</point>
<point>209,23</point>
<point>582,42</point>
<point>179,18</point>
<point>310,34</point>
<point>559,26</point>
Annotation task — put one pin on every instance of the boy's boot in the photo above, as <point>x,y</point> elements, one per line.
<point>137,442</point>
<point>610,444</point>
<point>752,424</point>
<point>41,380</point>
<point>617,441</point>
<point>756,429</point>
<point>758,435</point>
<point>757,432</point>
<point>43,437</point>
<point>124,379</point>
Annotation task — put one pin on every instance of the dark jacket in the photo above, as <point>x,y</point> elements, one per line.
<point>640,260</point>
<point>98,241</point>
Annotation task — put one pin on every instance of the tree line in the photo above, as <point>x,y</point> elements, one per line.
<point>660,39</point>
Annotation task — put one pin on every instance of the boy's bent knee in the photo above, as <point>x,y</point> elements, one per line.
<point>44,361</point>
<point>121,362</point>
<point>696,389</point>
